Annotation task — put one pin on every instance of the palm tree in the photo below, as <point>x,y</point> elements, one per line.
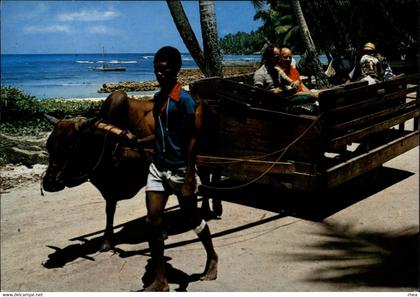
<point>311,51</point>
<point>209,62</point>
<point>212,53</point>
<point>186,32</point>
<point>271,20</point>
<point>278,25</point>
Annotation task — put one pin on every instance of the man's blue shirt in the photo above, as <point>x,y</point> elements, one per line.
<point>174,121</point>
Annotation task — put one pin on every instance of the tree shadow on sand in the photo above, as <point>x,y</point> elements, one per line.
<point>367,258</point>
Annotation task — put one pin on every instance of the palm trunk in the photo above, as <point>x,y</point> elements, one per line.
<point>213,57</point>
<point>321,78</point>
<point>186,32</point>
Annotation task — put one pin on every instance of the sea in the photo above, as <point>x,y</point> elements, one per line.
<point>71,75</point>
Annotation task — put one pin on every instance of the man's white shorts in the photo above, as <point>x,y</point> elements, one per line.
<point>167,180</point>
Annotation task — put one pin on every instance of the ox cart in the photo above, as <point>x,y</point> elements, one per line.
<point>359,127</point>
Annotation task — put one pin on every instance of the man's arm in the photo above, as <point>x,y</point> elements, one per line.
<point>259,78</point>
<point>191,130</point>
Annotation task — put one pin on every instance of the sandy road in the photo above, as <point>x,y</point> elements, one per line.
<point>360,239</point>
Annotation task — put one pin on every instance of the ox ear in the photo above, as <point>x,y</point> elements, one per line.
<point>51,119</point>
<point>86,124</point>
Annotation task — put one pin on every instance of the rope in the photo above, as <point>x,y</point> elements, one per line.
<point>251,158</point>
<point>269,168</point>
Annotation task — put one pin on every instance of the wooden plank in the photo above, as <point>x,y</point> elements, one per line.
<point>368,161</point>
<point>359,134</point>
<point>370,118</point>
<point>375,103</point>
<point>250,94</point>
<point>344,97</point>
<point>205,88</point>
<point>230,102</point>
<point>355,84</point>
<point>332,91</point>
<point>238,165</point>
<point>413,78</point>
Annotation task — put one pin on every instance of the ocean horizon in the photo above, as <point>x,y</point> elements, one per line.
<point>70,75</point>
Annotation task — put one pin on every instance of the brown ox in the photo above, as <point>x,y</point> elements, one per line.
<point>79,152</point>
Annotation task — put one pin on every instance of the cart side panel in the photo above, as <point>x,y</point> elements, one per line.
<point>366,126</point>
<point>250,132</point>
<point>376,157</point>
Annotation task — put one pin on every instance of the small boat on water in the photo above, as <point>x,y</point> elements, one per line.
<point>105,67</point>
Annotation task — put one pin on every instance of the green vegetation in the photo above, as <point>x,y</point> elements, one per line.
<point>338,28</point>
<point>278,26</point>
<point>21,113</point>
<point>242,43</point>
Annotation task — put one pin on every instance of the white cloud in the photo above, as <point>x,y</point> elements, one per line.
<point>88,16</point>
<point>46,29</point>
<point>101,30</point>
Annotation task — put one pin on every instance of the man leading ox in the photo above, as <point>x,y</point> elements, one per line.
<point>173,168</point>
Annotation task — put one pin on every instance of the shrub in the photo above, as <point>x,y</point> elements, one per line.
<point>17,105</point>
<point>64,108</point>
<point>21,113</point>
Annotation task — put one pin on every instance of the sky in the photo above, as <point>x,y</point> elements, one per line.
<point>41,27</point>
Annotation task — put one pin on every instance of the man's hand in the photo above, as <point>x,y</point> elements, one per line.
<point>295,84</point>
<point>276,90</point>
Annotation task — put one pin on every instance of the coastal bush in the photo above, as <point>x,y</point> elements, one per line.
<point>65,108</point>
<point>17,105</point>
<point>22,114</point>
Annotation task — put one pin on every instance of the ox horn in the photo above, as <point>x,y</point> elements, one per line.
<point>51,119</point>
<point>88,122</point>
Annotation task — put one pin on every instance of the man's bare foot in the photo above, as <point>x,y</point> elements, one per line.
<point>157,286</point>
<point>210,272</point>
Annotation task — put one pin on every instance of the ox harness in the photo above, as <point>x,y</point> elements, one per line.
<point>133,151</point>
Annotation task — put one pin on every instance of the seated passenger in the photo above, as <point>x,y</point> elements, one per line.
<point>290,77</point>
<point>372,66</point>
<point>279,75</point>
<point>267,77</point>
<point>270,76</point>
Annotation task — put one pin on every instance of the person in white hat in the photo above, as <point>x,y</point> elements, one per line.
<point>372,67</point>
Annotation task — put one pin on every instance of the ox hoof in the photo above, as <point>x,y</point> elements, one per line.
<point>105,246</point>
